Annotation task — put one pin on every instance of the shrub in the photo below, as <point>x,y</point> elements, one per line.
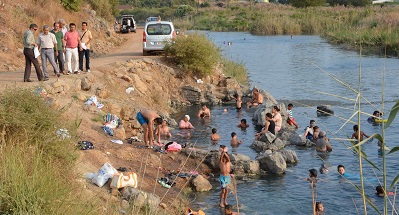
<point>194,53</point>
<point>72,5</point>
<point>183,10</point>
<point>235,70</point>
<point>37,167</point>
<point>105,8</point>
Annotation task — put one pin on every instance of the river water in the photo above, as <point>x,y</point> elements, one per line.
<point>294,71</point>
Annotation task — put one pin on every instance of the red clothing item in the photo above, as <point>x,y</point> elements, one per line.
<point>71,39</point>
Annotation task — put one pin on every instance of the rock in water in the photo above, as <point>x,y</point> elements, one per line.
<point>324,110</point>
<point>200,184</point>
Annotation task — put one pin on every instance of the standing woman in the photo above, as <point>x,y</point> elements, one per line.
<point>277,118</point>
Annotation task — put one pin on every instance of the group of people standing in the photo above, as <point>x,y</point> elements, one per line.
<point>57,45</point>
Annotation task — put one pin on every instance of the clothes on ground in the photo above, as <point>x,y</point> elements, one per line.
<point>63,133</point>
<point>173,147</point>
<point>84,145</point>
<point>224,181</point>
<point>93,102</point>
<point>117,142</point>
<point>111,121</point>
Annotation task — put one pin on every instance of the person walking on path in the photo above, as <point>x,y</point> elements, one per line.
<point>29,44</point>
<point>58,51</point>
<point>85,39</point>
<point>72,42</point>
<point>47,42</point>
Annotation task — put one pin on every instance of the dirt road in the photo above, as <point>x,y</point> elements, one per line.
<point>131,49</point>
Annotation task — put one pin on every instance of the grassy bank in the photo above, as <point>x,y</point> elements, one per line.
<point>37,166</point>
<point>196,55</point>
<point>373,27</point>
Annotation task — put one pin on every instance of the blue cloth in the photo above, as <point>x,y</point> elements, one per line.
<point>224,181</point>
<point>141,119</point>
<point>353,177</point>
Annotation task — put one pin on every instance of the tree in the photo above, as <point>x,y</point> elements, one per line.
<point>307,3</point>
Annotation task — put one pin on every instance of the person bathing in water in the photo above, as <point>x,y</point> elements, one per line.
<point>234,142</point>
<point>204,112</point>
<point>243,124</point>
<point>356,133</point>
<point>215,136</point>
<point>164,130</point>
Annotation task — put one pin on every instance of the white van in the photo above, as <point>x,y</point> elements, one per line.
<point>154,35</point>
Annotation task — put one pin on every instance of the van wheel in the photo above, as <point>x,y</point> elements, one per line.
<point>145,53</point>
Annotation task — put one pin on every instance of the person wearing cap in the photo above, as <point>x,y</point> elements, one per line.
<point>322,143</point>
<point>185,124</point>
<point>147,118</point>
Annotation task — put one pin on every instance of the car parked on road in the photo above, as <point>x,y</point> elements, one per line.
<point>128,24</point>
<point>155,34</point>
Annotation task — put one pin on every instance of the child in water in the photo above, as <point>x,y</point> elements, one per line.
<point>312,176</point>
<point>215,137</point>
<point>243,124</point>
<point>234,142</point>
<point>228,210</point>
<point>356,133</point>
<point>319,208</point>
<point>379,191</point>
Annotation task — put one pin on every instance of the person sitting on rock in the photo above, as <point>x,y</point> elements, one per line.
<point>243,124</point>
<point>322,143</point>
<point>278,120</point>
<point>204,112</point>
<point>291,119</point>
<point>256,100</point>
<point>185,124</point>
<point>269,126</point>
<point>309,130</point>
<point>164,130</point>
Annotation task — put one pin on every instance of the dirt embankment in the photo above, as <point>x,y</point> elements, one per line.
<point>156,86</point>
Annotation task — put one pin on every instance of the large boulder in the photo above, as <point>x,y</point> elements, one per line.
<point>192,94</point>
<point>324,110</point>
<point>272,162</point>
<point>289,156</point>
<point>239,157</point>
<point>249,167</point>
<point>260,146</point>
<point>200,184</point>
<point>299,140</point>
<point>140,198</point>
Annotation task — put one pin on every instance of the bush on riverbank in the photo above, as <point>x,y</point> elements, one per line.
<point>235,70</point>
<point>193,53</point>
<point>37,167</point>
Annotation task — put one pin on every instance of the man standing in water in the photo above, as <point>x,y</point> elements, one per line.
<point>224,178</point>
<point>146,118</point>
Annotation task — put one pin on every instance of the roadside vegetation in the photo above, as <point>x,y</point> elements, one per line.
<point>37,166</point>
<point>375,27</point>
<point>198,56</point>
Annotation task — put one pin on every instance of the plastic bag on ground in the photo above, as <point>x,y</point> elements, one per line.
<point>106,172</point>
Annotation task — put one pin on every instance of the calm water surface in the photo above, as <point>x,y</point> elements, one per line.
<point>288,69</point>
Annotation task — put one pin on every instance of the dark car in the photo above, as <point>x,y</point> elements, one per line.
<point>127,24</point>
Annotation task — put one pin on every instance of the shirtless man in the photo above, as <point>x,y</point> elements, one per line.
<point>256,100</point>
<point>356,133</point>
<point>224,178</point>
<point>147,118</point>
<point>204,112</point>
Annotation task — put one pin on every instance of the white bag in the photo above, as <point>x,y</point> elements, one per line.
<point>36,52</point>
<point>106,172</point>
<point>128,179</point>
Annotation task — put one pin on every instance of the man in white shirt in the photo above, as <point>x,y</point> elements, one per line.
<point>47,42</point>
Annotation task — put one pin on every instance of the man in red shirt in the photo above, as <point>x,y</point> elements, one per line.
<point>72,44</point>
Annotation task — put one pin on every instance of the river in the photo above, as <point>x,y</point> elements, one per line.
<point>294,70</point>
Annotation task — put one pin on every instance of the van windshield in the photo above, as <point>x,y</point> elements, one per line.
<point>159,29</point>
